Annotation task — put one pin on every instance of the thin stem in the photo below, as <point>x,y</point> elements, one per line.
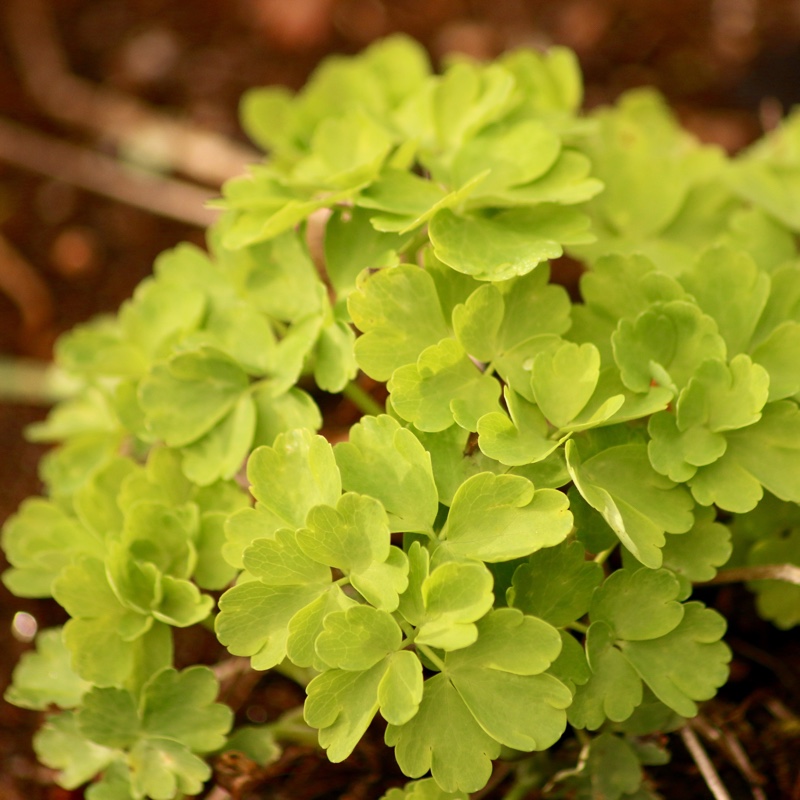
<point>300,675</point>
<point>578,626</point>
<point>769,572</point>
<point>432,657</point>
<point>364,401</point>
<point>698,754</point>
<point>291,727</point>
<point>601,557</point>
<point>35,382</point>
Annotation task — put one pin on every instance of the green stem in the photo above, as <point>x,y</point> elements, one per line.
<point>432,657</point>
<point>601,557</point>
<point>364,401</point>
<point>578,626</point>
<point>300,675</point>
<point>291,727</point>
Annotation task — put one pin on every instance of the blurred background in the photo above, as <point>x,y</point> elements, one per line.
<point>118,118</point>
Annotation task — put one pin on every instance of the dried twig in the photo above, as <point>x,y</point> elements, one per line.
<point>698,754</point>
<point>730,745</point>
<point>788,573</point>
<point>46,155</point>
<point>203,155</point>
<point>21,282</point>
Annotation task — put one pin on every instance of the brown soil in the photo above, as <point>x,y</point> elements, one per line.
<point>730,67</point>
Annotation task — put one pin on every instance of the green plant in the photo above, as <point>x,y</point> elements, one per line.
<point>509,545</point>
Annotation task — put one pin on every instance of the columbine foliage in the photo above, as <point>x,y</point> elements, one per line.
<point>511,547</point>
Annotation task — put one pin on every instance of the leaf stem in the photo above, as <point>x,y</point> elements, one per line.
<point>601,557</point>
<point>432,657</point>
<point>578,626</point>
<point>364,401</point>
<point>291,727</point>
<point>24,380</point>
<point>790,573</point>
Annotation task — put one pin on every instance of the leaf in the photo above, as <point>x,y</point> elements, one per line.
<point>556,584</point>
<point>39,541</point>
<point>60,745</point>
<point>399,315</point>
<point>507,244</point>
<point>342,704</point>
<point>298,472</point>
<point>764,454</point>
<point>109,717</point>
<point>638,605</point>
<point>499,679</point>
<point>190,394</point>
<point>357,639</point>
<point>564,380</point>
<point>613,690</point>
<point>638,504</point>
<point>499,517</point>
<point>444,738</point>
<point>686,665</point>
<point>387,462</point>
<point>522,439</point>
<point>778,354</point>
<point>613,768</point>
<point>451,599</point>
<point>354,537</point>
<point>696,555</point>
<point>44,677</point>
<point>665,344</point>
<point>736,313</point>
<point>441,388</point>
<point>160,768</point>
<point>426,789</point>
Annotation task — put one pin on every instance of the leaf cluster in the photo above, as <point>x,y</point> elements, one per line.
<point>511,548</point>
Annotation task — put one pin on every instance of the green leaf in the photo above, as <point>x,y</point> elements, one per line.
<point>298,472</point>
<point>39,541</point>
<point>357,639</point>
<point>190,394</point>
<point>60,745</point>
<point>556,584</point>
<point>638,504</point>
<point>342,704</point>
<point>450,600</point>
<point>160,768</point>
<point>665,344</point>
<point>738,312</point>
<point>686,665</point>
<point>613,690</point>
<point>399,315</point>
<point>387,462</point>
<point>779,354</point>
<point>499,679</point>
<point>426,789</point>
<point>44,677</point>
<point>522,439</point>
<point>441,388</point>
<point>509,243</point>
<point>499,517</point>
<point>181,706</point>
<point>638,605</point>
<point>352,245</point>
<point>109,717</point>
<point>563,381</point>
<point>612,769</point>
<point>445,738</point>
<point>764,454</point>
<point>696,555</point>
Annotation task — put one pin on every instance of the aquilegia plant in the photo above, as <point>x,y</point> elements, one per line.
<point>498,562</point>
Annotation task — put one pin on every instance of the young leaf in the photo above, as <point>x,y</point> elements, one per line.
<point>638,504</point>
<point>500,517</point>
<point>44,677</point>
<point>399,315</point>
<point>556,584</point>
<point>387,462</point>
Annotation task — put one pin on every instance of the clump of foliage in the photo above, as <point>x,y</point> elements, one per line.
<point>506,551</point>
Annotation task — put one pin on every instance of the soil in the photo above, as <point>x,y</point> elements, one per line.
<point>729,67</point>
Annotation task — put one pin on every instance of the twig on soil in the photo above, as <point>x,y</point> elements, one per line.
<point>20,281</point>
<point>769,572</point>
<point>132,125</point>
<point>730,745</point>
<point>46,155</point>
<point>699,756</point>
